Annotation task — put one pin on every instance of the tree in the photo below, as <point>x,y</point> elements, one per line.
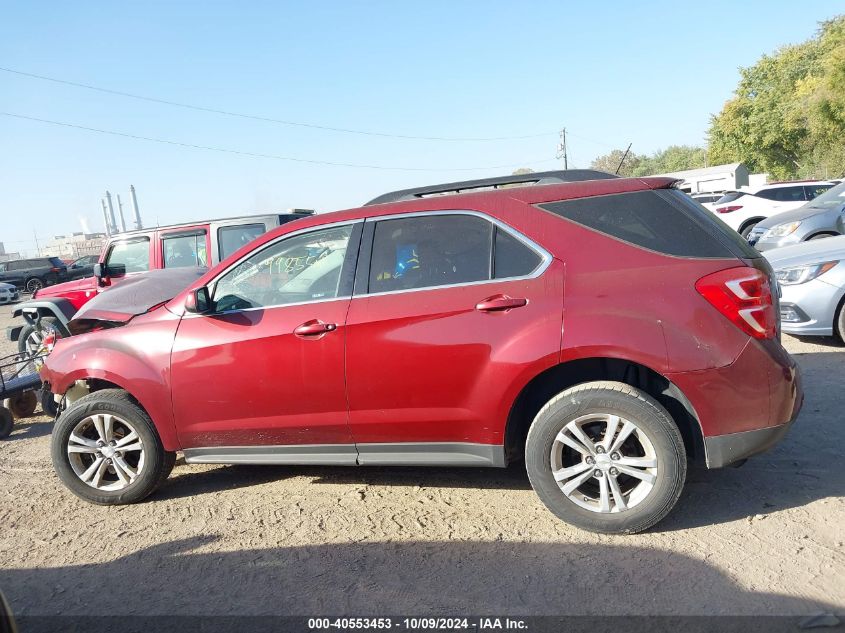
<point>522,171</point>
<point>610,162</point>
<point>673,158</point>
<point>787,115</point>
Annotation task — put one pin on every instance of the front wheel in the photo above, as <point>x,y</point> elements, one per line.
<point>606,457</point>
<point>31,339</point>
<point>746,230</point>
<point>106,450</point>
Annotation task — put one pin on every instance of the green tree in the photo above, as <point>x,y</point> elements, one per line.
<point>673,158</point>
<point>787,116</point>
<point>610,162</point>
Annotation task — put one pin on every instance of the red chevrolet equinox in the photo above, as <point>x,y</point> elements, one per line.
<point>606,330</point>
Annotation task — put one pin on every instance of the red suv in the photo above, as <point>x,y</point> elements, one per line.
<point>606,329</point>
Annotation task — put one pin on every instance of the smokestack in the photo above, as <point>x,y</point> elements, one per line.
<point>120,211</point>
<point>111,213</point>
<point>137,213</point>
<point>106,217</point>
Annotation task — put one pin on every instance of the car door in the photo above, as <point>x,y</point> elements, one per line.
<point>452,313</point>
<point>126,258</point>
<point>262,374</point>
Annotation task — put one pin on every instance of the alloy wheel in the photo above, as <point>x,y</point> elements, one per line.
<point>604,463</point>
<point>106,452</point>
<point>34,284</point>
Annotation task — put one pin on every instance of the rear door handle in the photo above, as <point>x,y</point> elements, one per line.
<point>314,328</point>
<point>500,303</point>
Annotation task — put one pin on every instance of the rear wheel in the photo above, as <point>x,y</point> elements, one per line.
<point>106,449</point>
<point>30,338</point>
<point>606,457</point>
<point>34,284</point>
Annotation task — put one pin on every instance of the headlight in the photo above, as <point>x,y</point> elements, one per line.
<point>782,229</point>
<point>802,274</point>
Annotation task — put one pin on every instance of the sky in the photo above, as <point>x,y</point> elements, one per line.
<point>648,73</point>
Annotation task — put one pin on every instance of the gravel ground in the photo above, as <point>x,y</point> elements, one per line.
<point>766,538</point>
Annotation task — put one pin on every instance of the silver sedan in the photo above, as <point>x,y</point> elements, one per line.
<point>811,276</point>
<point>8,293</point>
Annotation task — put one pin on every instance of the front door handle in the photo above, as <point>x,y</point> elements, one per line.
<point>314,328</point>
<point>500,303</point>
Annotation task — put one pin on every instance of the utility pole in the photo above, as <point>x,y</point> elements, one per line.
<point>120,211</point>
<point>37,247</point>
<point>106,217</point>
<point>561,149</point>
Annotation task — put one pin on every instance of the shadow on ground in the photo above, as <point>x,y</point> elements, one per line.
<point>448,578</point>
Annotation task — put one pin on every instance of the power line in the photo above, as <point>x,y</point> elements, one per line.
<point>269,119</point>
<point>260,155</point>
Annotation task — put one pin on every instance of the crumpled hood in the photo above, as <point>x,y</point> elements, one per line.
<point>811,252</point>
<point>133,296</point>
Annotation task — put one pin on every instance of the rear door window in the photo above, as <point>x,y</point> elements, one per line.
<point>130,256</point>
<point>512,258</point>
<point>231,238</point>
<point>814,190</point>
<point>430,250</point>
<point>184,250</point>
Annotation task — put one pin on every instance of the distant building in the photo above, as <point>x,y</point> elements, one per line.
<point>7,257</point>
<point>74,246</point>
<point>717,178</point>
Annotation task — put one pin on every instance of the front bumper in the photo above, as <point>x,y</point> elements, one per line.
<point>767,244</point>
<point>808,309</point>
<point>9,298</point>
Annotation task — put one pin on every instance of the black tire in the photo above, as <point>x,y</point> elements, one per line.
<point>7,423</point>
<point>613,398</point>
<point>28,331</point>
<point>22,405</point>
<point>48,403</point>
<point>839,322</point>
<point>33,284</point>
<point>158,462</point>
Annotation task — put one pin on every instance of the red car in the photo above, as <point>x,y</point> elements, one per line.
<point>607,330</point>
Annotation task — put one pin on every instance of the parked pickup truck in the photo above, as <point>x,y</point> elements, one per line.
<point>200,244</point>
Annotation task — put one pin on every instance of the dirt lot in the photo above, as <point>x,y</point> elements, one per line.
<point>763,539</point>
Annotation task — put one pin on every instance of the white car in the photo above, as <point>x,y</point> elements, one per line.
<point>8,293</point>
<point>743,209</point>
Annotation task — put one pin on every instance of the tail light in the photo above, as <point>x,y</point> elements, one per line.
<point>744,296</point>
<point>48,341</point>
<point>729,208</point>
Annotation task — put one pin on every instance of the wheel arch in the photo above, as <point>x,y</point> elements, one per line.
<point>749,222</point>
<point>553,380</point>
<point>100,379</point>
<point>819,234</point>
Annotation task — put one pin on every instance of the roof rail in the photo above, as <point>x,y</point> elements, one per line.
<point>468,186</point>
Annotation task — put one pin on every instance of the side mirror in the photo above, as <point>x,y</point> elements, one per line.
<point>198,301</point>
<point>100,271</point>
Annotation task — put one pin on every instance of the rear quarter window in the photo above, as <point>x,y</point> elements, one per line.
<point>664,221</point>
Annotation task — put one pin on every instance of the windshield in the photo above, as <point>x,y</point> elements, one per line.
<point>831,198</point>
<point>730,196</point>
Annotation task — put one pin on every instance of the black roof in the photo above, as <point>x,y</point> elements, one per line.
<point>466,186</point>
